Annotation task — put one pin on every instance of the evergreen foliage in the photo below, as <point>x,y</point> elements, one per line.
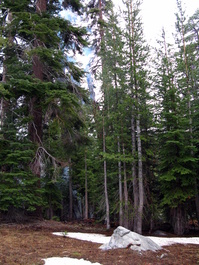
<point>130,158</point>
<point>39,81</point>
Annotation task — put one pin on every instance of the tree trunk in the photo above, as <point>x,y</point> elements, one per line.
<point>140,178</point>
<point>120,187</point>
<point>197,200</point>
<point>35,109</point>
<point>41,6</point>
<point>178,219</point>
<point>35,126</point>
<point>126,213</point>
<point>70,198</point>
<point>105,181</point>
<point>134,177</point>
<point>4,103</point>
<point>86,190</point>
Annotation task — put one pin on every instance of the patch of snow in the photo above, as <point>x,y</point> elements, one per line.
<point>102,239</point>
<point>95,238</point>
<point>67,261</point>
<point>167,241</point>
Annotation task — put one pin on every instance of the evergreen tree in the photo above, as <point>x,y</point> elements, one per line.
<point>100,10</point>
<point>176,162</point>
<point>192,40</point>
<point>39,79</point>
<point>136,77</point>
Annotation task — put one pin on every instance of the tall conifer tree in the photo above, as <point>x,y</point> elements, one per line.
<point>176,160</point>
<point>39,80</point>
<point>136,77</point>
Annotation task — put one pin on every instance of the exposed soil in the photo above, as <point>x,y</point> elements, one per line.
<point>28,244</point>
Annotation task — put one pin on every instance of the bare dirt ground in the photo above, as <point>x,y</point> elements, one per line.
<point>28,244</point>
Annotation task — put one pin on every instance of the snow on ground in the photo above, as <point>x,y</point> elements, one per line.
<point>102,239</point>
<point>96,238</point>
<point>166,241</point>
<point>68,261</point>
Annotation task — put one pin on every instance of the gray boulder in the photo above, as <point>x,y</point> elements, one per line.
<point>124,238</point>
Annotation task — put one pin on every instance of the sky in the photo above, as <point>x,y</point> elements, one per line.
<point>157,14</point>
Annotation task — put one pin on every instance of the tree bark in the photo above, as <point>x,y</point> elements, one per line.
<point>197,200</point>
<point>178,219</point>
<point>41,6</point>
<point>86,189</point>
<point>120,187</point>
<point>35,126</point>
<point>140,178</point>
<point>70,197</point>
<point>126,212</point>
<point>105,181</point>
<point>134,176</point>
<point>4,104</point>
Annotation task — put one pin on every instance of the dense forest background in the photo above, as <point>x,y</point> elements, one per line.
<point>130,158</point>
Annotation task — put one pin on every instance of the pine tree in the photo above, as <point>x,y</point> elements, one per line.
<point>38,78</point>
<point>176,162</point>
<point>98,23</point>
<point>192,39</point>
<point>136,77</point>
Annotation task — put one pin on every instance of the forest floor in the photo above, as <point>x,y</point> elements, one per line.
<point>29,244</point>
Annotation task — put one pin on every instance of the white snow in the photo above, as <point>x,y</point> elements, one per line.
<point>96,238</point>
<point>68,261</point>
<point>166,241</point>
<point>102,239</point>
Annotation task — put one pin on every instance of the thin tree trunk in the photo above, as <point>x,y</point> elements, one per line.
<point>104,136</point>
<point>133,132</point>
<point>4,103</point>
<point>70,197</point>
<point>197,200</point>
<point>120,187</point>
<point>140,177</point>
<point>126,216</point>
<point>86,189</point>
<point>134,176</point>
<point>105,181</point>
